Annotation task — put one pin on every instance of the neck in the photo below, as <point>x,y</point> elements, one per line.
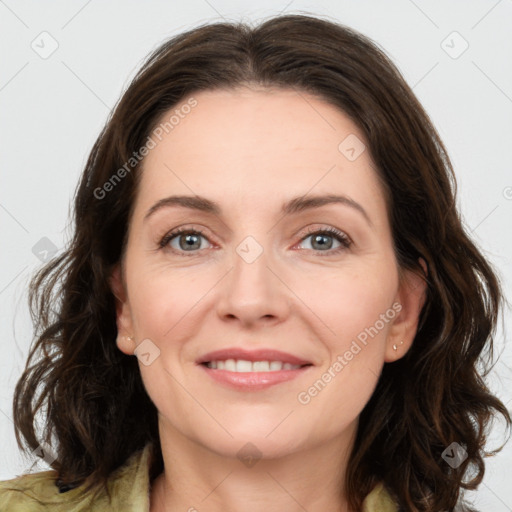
<point>195,478</point>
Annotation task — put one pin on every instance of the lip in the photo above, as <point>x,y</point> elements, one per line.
<point>252,381</point>
<point>252,355</point>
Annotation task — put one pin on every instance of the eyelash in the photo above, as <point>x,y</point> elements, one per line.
<point>333,232</point>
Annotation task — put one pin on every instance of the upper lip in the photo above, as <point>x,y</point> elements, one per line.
<point>251,355</point>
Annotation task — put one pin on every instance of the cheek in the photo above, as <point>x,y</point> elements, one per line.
<point>351,302</point>
<point>357,307</point>
<point>163,299</point>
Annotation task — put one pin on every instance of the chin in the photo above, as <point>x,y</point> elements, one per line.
<point>251,447</point>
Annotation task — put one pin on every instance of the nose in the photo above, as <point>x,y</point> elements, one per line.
<point>253,293</point>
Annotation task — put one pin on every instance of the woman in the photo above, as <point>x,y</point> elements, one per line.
<point>268,224</point>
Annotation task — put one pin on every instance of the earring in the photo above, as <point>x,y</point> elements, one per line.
<point>129,338</point>
<point>395,347</point>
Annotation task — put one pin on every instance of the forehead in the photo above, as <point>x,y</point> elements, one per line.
<point>244,121</point>
<point>246,144</point>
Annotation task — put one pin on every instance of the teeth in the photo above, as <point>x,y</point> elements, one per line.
<point>229,365</point>
<point>243,366</point>
<point>275,365</point>
<point>261,366</point>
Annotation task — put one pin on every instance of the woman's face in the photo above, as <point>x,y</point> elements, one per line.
<point>278,265</point>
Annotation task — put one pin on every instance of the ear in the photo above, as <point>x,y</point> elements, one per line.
<point>411,297</point>
<point>123,312</point>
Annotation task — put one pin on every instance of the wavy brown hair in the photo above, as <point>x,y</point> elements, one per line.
<point>91,394</point>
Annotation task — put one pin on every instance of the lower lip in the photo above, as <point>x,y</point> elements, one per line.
<point>253,381</point>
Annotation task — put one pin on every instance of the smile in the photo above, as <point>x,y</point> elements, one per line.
<point>244,366</point>
<point>243,375</point>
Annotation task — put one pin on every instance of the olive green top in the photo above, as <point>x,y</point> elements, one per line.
<point>129,487</point>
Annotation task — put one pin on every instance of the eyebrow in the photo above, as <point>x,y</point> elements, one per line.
<point>295,205</point>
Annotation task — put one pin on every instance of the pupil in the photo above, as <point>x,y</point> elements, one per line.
<point>321,240</point>
<point>190,241</point>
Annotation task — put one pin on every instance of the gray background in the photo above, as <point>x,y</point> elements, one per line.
<point>54,105</point>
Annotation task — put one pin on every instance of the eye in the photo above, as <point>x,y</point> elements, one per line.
<point>188,240</point>
<point>183,240</point>
<point>321,240</point>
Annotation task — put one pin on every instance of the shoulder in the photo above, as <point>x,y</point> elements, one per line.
<point>33,492</point>
<point>38,492</point>
<point>379,500</point>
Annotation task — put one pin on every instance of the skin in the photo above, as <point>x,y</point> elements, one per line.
<point>250,150</point>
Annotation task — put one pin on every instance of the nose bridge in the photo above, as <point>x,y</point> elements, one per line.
<point>250,275</point>
<point>252,290</point>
